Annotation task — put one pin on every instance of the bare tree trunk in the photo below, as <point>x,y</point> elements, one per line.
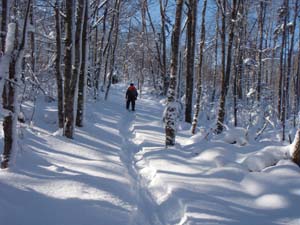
<point>69,76</point>
<point>179,76</point>
<point>221,113</point>
<point>95,50</point>
<point>298,75</point>
<point>190,58</point>
<point>115,27</point>
<point>143,38</point>
<point>290,53</point>
<point>107,51</point>
<point>83,69</point>
<point>58,71</point>
<point>125,59</point>
<point>158,50</point>
<point>8,98</point>
<point>261,34</point>
<point>238,65</point>
<point>282,81</point>
<point>296,84</point>
<point>171,110</point>
<point>3,33</point>
<point>236,72</point>
<point>107,55</point>
<point>279,104</point>
<point>226,75</point>
<point>4,20</point>
<point>199,77</point>
<point>101,53</point>
<point>216,57</point>
<point>163,7</point>
<point>272,67</point>
<point>10,93</point>
<point>32,37</point>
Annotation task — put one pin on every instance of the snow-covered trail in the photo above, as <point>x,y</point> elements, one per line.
<point>146,209</point>
<point>85,181</point>
<point>116,171</point>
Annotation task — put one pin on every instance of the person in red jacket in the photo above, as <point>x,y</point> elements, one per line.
<point>131,96</point>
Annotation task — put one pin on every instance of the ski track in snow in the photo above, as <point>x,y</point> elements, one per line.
<point>139,136</point>
<point>146,208</point>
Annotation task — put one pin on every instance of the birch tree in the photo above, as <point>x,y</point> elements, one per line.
<point>14,50</point>
<point>261,19</point>
<point>83,69</point>
<point>58,70</point>
<point>171,112</point>
<point>69,76</point>
<point>199,76</point>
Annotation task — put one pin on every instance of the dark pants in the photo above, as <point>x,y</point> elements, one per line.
<point>132,101</point>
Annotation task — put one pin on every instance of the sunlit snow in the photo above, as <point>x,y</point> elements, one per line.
<point>117,171</point>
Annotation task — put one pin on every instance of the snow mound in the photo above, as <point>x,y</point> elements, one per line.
<point>237,135</point>
<point>268,156</point>
<point>293,146</point>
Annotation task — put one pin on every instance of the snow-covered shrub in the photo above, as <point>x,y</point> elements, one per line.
<point>268,156</point>
<point>236,135</point>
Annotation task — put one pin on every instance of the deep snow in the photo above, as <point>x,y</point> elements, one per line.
<point>117,171</point>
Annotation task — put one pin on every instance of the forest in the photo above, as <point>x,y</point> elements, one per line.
<point>218,67</point>
<point>236,62</point>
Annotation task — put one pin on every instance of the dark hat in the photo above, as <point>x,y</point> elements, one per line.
<point>131,84</point>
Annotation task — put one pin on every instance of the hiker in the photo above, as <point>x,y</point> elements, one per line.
<point>131,95</point>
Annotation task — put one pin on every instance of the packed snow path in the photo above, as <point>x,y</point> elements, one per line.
<point>146,209</point>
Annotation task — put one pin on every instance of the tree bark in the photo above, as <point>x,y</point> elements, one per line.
<point>10,93</point>
<point>296,83</point>
<point>164,48</point>
<point>58,71</point>
<point>125,59</point>
<point>261,37</point>
<point>226,76</point>
<point>4,56</point>
<point>199,77</point>
<point>32,37</point>
<point>4,20</point>
<point>215,57</point>
<point>190,58</point>
<point>101,52</point>
<point>83,69</point>
<point>115,27</point>
<point>8,98</point>
<point>238,65</point>
<point>68,73</point>
<point>290,53</point>
<point>171,110</point>
<point>158,51</point>
<point>282,92</point>
<point>221,112</point>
